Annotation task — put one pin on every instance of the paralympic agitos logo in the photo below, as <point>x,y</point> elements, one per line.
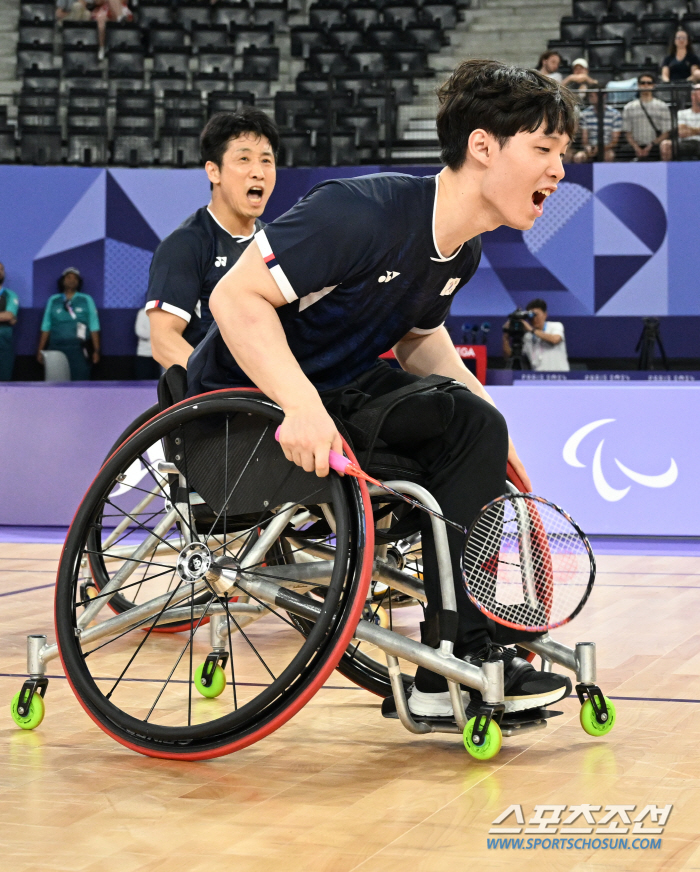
<point>604,488</point>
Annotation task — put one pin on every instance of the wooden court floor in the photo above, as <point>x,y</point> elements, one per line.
<point>339,788</point>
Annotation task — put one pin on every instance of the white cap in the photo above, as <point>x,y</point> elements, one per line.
<point>580,62</point>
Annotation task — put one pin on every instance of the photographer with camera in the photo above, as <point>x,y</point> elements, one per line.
<point>530,341</point>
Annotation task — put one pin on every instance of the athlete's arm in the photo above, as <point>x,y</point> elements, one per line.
<point>168,345</point>
<point>243,304</point>
<point>433,353</point>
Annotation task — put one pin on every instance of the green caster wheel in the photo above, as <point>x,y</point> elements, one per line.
<point>218,682</point>
<point>492,741</point>
<point>590,723</point>
<point>36,712</point>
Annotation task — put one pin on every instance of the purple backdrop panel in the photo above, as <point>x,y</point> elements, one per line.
<point>55,439</point>
<point>622,460</point>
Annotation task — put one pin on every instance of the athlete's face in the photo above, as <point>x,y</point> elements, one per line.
<point>522,174</point>
<point>247,174</point>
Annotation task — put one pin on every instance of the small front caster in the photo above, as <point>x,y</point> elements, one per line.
<point>35,710</point>
<point>485,742</point>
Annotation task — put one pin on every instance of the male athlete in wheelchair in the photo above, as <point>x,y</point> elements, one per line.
<point>239,529</point>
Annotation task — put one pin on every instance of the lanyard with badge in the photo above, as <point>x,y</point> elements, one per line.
<point>80,328</point>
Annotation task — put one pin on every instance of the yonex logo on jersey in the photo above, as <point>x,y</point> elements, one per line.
<point>220,261</point>
<point>388,277</point>
<point>449,288</point>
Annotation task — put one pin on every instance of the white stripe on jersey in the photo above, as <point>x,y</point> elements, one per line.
<point>167,307</point>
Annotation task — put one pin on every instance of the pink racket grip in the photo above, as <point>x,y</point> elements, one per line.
<point>335,461</point>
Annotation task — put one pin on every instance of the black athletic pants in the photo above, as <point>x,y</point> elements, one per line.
<point>464,468</point>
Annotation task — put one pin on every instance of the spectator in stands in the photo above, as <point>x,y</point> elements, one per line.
<point>109,10</point>
<point>72,10</point>
<point>544,343</point>
<point>548,65</point>
<point>689,127</point>
<point>9,306</point>
<point>681,64</point>
<point>647,123</point>
<point>68,318</point>
<point>579,78</point>
<point>239,151</point>
<point>145,367</point>
<point>589,126</point>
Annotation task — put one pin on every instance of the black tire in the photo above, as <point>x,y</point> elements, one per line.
<point>129,656</point>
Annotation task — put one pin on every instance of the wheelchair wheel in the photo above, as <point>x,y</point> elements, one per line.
<point>105,547</point>
<point>251,523</point>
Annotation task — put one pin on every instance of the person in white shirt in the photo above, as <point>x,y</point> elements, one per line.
<point>145,366</point>
<point>544,343</point>
<point>689,127</point>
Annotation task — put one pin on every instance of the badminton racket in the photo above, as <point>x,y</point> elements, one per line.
<point>525,562</point>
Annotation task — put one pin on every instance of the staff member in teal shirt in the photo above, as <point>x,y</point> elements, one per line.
<point>9,306</point>
<point>68,318</point>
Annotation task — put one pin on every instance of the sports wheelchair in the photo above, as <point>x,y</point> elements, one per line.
<point>237,583</point>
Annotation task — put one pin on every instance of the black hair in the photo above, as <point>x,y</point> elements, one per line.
<point>546,55</point>
<point>646,76</point>
<point>225,126</point>
<point>537,304</point>
<point>672,43</point>
<point>61,278</point>
<point>501,99</point>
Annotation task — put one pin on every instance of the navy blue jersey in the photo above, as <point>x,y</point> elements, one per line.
<point>357,262</point>
<point>187,266</point>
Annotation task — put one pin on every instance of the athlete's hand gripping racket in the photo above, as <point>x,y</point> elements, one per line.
<point>525,562</point>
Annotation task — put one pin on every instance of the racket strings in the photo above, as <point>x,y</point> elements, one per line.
<point>525,564</point>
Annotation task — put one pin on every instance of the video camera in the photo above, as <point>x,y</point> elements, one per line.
<point>516,321</point>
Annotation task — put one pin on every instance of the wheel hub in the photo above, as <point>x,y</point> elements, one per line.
<point>193,562</point>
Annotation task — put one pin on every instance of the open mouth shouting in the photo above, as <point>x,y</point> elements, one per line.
<point>538,199</point>
<point>255,195</point>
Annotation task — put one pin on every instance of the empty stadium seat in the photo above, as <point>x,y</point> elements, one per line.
<point>264,62</point>
<point>33,57</point>
<point>658,27</point>
<point>175,101</point>
<point>618,27</point>
<point>606,53</point>
<point>258,85</point>
<point>569,50</point>
<point>409,60</point>
<point>166,36</point>
<point>125,61</point>
<point>592,8</point>
<point>171,60</point>
<point>41,80</point>
<point>231,13</point>
<point>577,29</point>
<point>161,82</point>
<point>154,12</point>
<point>220,60</point>
<point>444,14</point>
<point>367,61</point>
<point>244,37</point>
<point>211,36</point>
<point>8,144</point>
<point>132,149</point>
<point>325,15</point>
<point>79,59</point>
<point>401,14</point>
<point>296,150</point>
<point>306,38</point>
<point>189,14</point>
<point>385,36</point>
<point>691,23</point>
<point>37,11</point>
<point>275,14</point>
<point>328,61</point>
<point>123,35</point>
<point>206,83</point>
<point>364,121</point>
<point>179,148</point>
<point>664,7</point>
<point>87,147</point>
<point>362,15</point>
<point>345,37</point>
<point>628,7</point>
<point>40,145</point>
<point>429,36</point>
<point>36,33</point>
<point>79,33</point>
<point>229,101</point>
<point>337,149</point>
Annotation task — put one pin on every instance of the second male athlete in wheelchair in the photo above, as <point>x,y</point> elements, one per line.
<point>362,265</point>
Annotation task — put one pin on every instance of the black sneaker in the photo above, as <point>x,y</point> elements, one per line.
<point>524,686</point>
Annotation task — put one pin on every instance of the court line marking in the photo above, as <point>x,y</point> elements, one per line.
<point>28,589</point>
